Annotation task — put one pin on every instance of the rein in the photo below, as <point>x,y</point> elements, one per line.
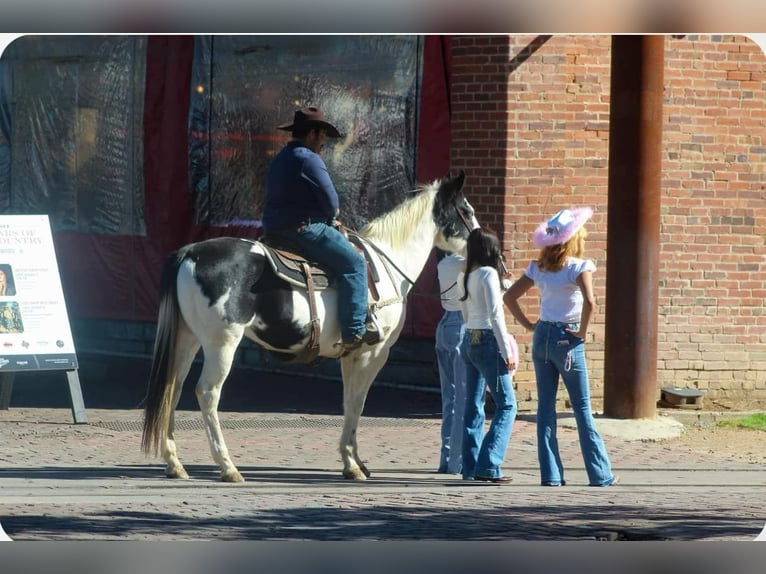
<point>391,261</point>
<point>385,255</point>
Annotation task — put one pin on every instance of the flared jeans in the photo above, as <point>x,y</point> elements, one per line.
<point>483,454</point>
<point>557,353</point>
<point>449,334</point>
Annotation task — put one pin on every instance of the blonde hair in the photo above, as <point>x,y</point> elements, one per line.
<point>553,257</point>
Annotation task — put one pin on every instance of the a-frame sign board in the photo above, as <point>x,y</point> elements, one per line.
<point>34,325</point>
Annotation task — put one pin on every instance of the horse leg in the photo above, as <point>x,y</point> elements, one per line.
<point>359,370</point>
<point>186,349</point>
<point>218,359</point>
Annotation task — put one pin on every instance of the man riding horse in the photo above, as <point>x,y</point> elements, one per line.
<point>300,213</point>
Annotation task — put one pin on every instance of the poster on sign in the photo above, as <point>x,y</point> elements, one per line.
<point>34,325</point>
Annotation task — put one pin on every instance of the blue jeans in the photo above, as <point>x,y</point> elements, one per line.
<point>449,334</point>
<point>327,246</point>
<point>485,367</point>
<point>555,352</point>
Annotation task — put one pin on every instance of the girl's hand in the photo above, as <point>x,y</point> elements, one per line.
<point>511,364</point>
<point>579,334</point>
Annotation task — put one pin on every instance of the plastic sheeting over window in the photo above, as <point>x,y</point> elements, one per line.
<point>71,113</point>
<point>244,86</point>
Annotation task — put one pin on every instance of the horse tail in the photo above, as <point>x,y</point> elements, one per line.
<point>158,403</point>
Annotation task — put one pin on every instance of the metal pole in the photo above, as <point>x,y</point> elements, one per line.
<point>633,227</point>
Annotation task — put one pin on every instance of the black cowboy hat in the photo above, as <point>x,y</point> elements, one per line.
<point>307,119</point>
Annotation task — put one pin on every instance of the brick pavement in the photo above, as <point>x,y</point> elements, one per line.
<point>61,481</point>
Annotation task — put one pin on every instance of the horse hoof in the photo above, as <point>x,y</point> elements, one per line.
<point>355,474</point>
<point>177,473</point>
<point>232,476</point>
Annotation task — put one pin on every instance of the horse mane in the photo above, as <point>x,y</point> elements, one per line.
<point>394,227</point>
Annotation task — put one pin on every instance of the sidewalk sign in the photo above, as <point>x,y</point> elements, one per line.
<point>34,325</point>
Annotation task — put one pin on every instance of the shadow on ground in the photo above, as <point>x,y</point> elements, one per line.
<point>394,522</point>
<point>120,383</point>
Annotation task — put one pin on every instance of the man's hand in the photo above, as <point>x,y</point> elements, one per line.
<point>336,223</point>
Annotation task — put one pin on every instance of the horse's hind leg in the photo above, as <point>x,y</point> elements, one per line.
<point>187,347</point>
<point>218,359</point>
<point>359,370</point>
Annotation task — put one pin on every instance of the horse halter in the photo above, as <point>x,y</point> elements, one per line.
<point>462,217</point>
<point>469,228</point>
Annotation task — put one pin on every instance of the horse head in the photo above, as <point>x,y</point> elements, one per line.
<point>453,215</point>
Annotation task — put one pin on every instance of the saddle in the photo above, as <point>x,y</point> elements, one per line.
<point>298,271</point>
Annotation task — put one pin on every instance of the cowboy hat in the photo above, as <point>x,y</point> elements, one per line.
<point>561,227</point>
<point>308,119</point>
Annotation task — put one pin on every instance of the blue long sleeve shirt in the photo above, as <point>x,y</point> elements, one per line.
<point>298,190</point>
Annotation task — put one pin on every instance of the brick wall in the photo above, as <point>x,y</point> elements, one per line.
<point>530,121</point>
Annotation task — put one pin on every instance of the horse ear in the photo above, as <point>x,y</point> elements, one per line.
<point>460,179</point>
<point>455,184</point>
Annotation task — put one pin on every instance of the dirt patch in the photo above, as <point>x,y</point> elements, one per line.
<point>702,434</point>
<point>744,445</point>
<point>705,436</point>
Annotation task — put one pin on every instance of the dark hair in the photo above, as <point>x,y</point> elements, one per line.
<point>303,133</point>
<point>483,251</point>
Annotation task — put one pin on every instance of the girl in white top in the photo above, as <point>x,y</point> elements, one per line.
<point>490,356</point>
<point>564,280</point>
<point>449,335</point>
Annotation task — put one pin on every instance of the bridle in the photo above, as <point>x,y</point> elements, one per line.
<point>469,228</point>
<point>462,217</point>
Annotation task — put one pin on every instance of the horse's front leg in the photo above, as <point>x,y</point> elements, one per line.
<point>216,368</point>
<point>359,370</point>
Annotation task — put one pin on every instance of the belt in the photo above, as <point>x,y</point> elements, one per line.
<point>299,227</point>
<point>561,325</point>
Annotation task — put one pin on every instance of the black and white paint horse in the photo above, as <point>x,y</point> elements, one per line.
<point>216,291</point>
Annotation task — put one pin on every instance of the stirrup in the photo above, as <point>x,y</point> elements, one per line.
<point>372,334</point>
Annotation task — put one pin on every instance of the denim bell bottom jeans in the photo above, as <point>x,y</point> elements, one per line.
<point>449,334</point>
<point>484,367</point>
<point>555,352</point>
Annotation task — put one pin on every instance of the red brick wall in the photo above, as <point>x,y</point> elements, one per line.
<point>530,121</point>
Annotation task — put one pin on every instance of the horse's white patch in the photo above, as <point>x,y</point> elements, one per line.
<point>220,305</point>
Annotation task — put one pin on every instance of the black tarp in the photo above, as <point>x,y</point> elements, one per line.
<point>135,145</point>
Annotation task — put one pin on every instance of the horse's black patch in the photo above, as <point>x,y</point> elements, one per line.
<point>449,200</point>
<point>274,307</point>
<point>226,264</point>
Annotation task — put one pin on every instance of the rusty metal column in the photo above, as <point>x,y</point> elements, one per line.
<point>633,227</point>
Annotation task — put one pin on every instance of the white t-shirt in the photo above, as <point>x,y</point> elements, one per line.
<point>560,296</point>
<point>483,309</point>
<point>448,269</point>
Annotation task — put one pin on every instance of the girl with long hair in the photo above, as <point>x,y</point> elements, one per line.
<point>490,354</point>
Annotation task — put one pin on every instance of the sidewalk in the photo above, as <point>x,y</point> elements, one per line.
<point>61,481</point>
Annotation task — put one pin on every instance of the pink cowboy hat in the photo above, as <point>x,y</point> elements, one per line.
<point>561,227</point>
